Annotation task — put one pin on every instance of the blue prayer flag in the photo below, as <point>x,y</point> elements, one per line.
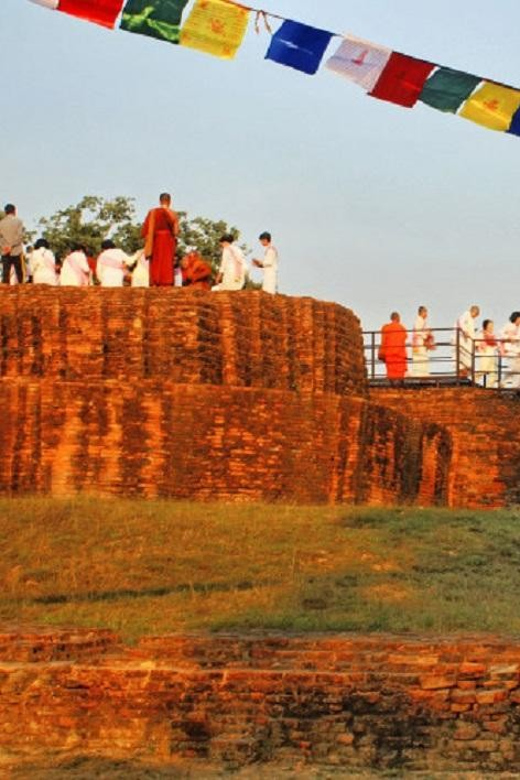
<point>298,46</point>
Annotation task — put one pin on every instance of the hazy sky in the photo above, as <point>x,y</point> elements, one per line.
<point>371,205</point>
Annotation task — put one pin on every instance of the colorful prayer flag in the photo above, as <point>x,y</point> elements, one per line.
<point>402,80</point>
<point>104,12</point>
<point>493,106</point>
<point>359,61</point>
<point>447,89</point>
<point>298,46</point>
<point>52,4</point>
<point>515,124</point>
<point>156,18</point>
<point>215,27</point>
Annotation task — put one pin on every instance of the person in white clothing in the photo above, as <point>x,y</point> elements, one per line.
<point>510,348</point>
<point>141,269</point>
<point>487,355</point>
<point>465,326</point>
<point>269,264</point>
<point>232,272</point>
<point>43,264</point>
<point>112,265</point>
<point>422,343</point>
<point>75,271</point>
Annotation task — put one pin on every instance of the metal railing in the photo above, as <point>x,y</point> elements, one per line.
<point>451,360</point>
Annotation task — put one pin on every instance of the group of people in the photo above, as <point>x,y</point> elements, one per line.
<point>476,351</point>
<point>153,265</point>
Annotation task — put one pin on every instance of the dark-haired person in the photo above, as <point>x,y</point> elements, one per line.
<point>487,353</point>
<point>112,265</point>
<point>43,264</point>
<point>393,347</point>
<point>269,264</point>
<point>422,343</point>
<point>75,270</point>
<point>160,230</point>
<point>232,272</point>
<point>510,337</point>
<point>11,244</point>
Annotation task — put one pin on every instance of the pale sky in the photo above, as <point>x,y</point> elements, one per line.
<point>371,205</point>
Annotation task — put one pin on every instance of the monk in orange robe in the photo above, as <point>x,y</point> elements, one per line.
<point>160,231</point>
<point>393,347</point>
<point>196,272</point>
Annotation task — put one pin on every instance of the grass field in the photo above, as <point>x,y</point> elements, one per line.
<point>160,567</point>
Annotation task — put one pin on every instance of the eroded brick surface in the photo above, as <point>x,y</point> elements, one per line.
<point>361,702</point>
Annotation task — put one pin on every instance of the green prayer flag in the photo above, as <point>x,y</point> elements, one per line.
<point>156,18</point>
<point>447,89</point>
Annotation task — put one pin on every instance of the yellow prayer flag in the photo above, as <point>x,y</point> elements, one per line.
<point>492,106</point>
<point>215,27</point>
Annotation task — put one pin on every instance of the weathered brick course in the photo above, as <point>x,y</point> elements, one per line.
<point>241,700</point>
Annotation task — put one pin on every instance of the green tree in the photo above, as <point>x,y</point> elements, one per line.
<point>90,222</point>
<point>94,219</point>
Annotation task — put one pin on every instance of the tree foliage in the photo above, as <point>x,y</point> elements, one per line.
<point>94,219</point>
<point>90,222</point>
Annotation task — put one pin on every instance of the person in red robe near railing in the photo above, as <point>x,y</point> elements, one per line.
<point>160,231</point>
<point>393,347</point>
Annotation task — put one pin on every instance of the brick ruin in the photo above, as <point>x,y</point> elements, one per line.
<point>243,396</point>
<point>344,701</point>
<point>188,394</point>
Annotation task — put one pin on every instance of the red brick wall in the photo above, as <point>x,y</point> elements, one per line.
<point>246,339</point>
<point>484,427</point>
<point>153,438</point>
<point>358,702</point>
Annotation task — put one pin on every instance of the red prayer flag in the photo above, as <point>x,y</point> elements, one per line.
<point>402,80</point>
<point>103,12</point>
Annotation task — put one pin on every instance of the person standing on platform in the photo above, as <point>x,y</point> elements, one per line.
<point>393,347</point>
<point>510,348</point>
<point>11,244</point>
<point>466,329</point>
<point>232,272</point>
<point>43,264</point>
<point>112,265</point>
<point>422,343</point>
<point>160,231</point>
<point>75,270</point>
<point>269,264</point>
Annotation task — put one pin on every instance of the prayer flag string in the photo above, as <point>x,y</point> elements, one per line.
<point>218,27</point>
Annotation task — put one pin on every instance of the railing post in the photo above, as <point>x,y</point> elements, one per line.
<point>473,360</point>
<point>373,351</point>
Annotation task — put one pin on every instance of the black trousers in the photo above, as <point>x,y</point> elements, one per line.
<point>7,262</point>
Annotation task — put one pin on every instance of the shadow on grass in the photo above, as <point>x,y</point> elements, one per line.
<point>130,593</point>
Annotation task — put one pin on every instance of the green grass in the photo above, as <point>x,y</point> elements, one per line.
<point>159,567</point>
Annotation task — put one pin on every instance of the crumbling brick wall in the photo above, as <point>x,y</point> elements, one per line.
<point>364,703</point>
<point>186,394</point>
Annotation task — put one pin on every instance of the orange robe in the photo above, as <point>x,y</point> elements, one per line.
<point>197,274</point>
<point>393,349</point>
<point>160,232</point>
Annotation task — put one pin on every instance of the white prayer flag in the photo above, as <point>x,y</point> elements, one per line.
<point>52,4</point>
<point>359,61</point>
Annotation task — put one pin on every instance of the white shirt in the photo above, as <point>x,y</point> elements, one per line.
<point>43,266</point>
<point>232,268</point>
<point>75,270</point>
<point>270,267</point>
<point>110,267</point>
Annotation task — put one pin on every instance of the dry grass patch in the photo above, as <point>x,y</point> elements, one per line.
<point>156,567</point>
